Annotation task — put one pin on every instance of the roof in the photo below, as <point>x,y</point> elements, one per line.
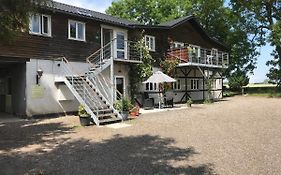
<point>89,14</point>
<point>176,21</point>
<point>69,9</point>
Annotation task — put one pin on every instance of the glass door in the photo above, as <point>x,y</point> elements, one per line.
<point>120,87</point>
<point>120,44</point>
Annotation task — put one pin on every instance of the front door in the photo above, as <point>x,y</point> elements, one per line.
<point>120,87</point>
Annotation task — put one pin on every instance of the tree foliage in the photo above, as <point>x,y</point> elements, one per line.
<point>149,11</point>
<point>264,18</point>
<point>14,17</point>
<point>237,80</point>
<point>216,18</point>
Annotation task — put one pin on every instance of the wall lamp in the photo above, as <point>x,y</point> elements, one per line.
<point>39,75</point>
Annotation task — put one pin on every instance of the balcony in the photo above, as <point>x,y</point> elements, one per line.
<point>196,56</point>
<point>117,50</point>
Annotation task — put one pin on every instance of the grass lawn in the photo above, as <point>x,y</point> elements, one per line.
<point>259,90</point>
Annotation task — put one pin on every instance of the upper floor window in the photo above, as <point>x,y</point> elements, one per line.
<point>150,42</point>
<point>194,84</point>
<point>40,24</point>
<point>76,30</point>
<point>177,45</point>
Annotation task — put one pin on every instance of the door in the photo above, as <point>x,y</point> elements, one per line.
<point>2,94</point>
<point>120,87</point>
<point>107,36</point>
<point>120,44</point>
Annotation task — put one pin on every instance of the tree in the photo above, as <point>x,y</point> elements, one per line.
<point>149,11</point>
<point>237,80</point>
<point>264,17</point>
<point>217,19</point>
<point>14,17</point>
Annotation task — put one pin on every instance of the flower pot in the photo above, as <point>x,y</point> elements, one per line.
<point>133,114</point>
<point>85,120</point>
<point>125,115</point>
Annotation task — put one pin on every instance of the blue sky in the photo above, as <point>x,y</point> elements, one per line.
<point>101,6</point>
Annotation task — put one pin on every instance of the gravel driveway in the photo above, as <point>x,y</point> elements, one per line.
<point>239,135</point>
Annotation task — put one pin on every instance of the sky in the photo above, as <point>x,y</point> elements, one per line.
<point>259,73</point>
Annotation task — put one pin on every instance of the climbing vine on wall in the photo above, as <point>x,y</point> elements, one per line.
<point>140,72</point>
<point>169,66</point>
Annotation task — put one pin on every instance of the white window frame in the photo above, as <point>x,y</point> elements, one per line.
<point>177,85</point>
<point>177,45</point>
<point>151,86</point>
<point>194,84</point>
<point>76,25</point>
<point>41,25</point>
<point>151,39</point>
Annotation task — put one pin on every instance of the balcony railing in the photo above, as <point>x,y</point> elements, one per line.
<point>201,57</point>
<point>126,51</point>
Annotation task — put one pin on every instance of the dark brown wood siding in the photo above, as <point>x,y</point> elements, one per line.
<point>186,33</point>
<point>33,46</point>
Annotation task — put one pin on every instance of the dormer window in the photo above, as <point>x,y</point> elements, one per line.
<point>40,25</point>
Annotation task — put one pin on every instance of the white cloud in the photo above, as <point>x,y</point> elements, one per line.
<point>96,5</point>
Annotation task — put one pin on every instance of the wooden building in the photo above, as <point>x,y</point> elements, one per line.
<point>73,55</point>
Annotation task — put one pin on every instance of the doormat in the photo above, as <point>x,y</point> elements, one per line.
<point>118,125</point>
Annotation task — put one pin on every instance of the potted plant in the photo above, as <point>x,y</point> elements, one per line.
<point>189,102</point>
<point>123,105</point>
<point>134,112</point>
<point>85,118</point>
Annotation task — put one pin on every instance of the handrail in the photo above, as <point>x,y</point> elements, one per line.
<point>72,71</point>
<point>205,56</point>
<point>109,43</point>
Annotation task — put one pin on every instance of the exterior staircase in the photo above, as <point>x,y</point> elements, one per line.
<point>93,90</point>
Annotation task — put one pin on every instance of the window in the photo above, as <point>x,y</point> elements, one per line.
<point>177,44</point>
<point>194,84</point>
<point>150,86</point>
<point>195,50</point>
<point>76,30</point>
<point>177,85</point>
<point>40,25</point>
<point>150,42</point>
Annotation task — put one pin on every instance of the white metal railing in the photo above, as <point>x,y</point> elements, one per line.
<point>82,91</point>
<point>201,56</point>
<point>118,50</point>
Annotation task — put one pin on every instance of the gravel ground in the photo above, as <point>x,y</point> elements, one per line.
<point>239,135</point>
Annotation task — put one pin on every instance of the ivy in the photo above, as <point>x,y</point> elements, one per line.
<point>140,72</point>
<point>169,66</point>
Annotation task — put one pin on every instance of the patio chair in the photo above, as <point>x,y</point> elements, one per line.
<point>169,99</point>
<point>148,102</point>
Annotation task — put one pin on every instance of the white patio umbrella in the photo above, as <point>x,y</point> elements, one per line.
<point>159,77</point>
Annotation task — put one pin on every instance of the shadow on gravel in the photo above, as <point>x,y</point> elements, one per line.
<point>119,155</point>
<point>20,134</point>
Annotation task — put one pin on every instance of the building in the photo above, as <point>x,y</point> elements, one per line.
<point>72,55</point>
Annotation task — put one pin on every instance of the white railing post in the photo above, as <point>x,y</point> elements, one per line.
<point>112,68</point>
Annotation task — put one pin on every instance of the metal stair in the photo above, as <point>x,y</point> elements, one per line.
<point>94,90</point>
<point>89,96</point>
<point>101,59</point>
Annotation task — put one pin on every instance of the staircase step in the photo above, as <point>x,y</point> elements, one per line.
<point>106,115</point>
<point>106,110</point>
<point>109,120</point>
